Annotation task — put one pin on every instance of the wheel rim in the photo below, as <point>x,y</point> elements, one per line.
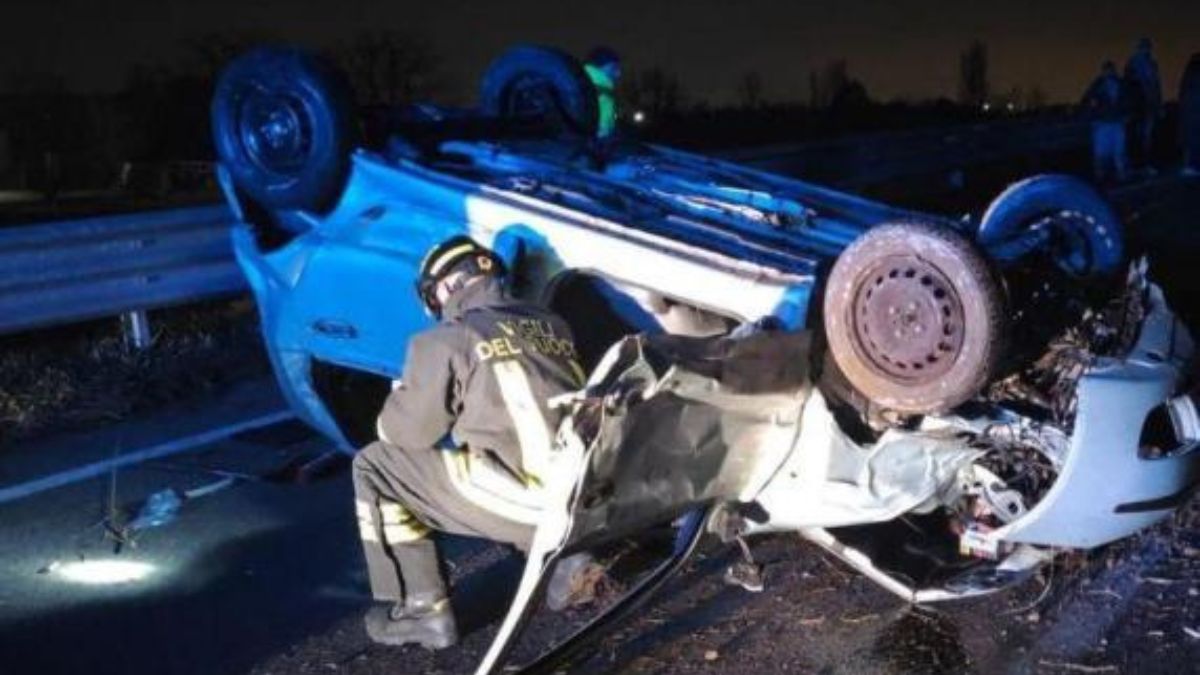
<point>275,131</point>
<point>1072,247</point>
<point>530,96</point>
<point>907,320</point>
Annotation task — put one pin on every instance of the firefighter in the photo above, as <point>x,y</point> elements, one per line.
<point>464,439</point>
<point>603,67</point>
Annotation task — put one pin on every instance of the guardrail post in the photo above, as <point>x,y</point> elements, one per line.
<point>136,325</point>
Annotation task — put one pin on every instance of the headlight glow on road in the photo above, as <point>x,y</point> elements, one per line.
<point>100,572</point>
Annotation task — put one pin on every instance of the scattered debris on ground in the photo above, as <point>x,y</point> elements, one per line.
<point>1129,607</point>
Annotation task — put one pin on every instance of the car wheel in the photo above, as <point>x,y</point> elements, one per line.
<point>283,126</point>
<point>914,317</point>
<point>1075,225</point>
<point>542,84</point>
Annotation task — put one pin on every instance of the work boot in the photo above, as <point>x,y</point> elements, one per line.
<point>573,582</point>
<point>427,622</point>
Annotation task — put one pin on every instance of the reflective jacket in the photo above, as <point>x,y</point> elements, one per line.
<point>481,379</point>
<point>606,100</point>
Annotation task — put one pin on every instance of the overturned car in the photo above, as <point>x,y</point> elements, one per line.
<point>944,405</point>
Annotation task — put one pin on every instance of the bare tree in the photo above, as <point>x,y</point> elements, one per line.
<point>388,68</point>
<point>750,90</point>
<point>1035,97</point>
<point>208,54</point>
<point>28,82</point>
<point>833,86</point>
<point>973,85</point>
<point>826,84</point>
<point>655,91</point>
<point>40,111</point>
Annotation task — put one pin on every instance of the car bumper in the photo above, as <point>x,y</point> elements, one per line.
<point>1106,490</point>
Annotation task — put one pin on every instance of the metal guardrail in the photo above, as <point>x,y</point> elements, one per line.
<point>859,161</point>
<point>76,270</point>
<point>69,271</point>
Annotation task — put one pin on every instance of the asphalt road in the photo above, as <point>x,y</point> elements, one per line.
<point>265,577</point>
<point>254,563</point>
<point>239,574</point>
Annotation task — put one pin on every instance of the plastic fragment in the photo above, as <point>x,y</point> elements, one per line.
<point>159,509</point>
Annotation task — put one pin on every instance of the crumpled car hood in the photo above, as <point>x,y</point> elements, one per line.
<point>829,480</point>
<point>682,422</point>
<point>689,421</point>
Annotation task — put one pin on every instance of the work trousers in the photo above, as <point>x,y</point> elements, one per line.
<point>1108,150</point>
<point>1189,112</point>
<point>401,496</point>
<point>1142,130</point>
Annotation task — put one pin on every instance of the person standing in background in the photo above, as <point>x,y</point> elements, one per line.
<point>1189,116</point>
<point>1104,103</point>
<point>1145,93</point>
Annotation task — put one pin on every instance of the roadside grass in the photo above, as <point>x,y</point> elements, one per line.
<point>76,377</point>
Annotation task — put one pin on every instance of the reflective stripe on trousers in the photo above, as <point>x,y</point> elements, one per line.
<point>491,488</point>
<point>398,524</point>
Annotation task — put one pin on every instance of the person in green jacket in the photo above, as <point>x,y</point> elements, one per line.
<point>603,68</point>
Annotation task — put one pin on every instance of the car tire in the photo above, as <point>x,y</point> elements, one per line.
<point>1088,240</point>
<point>914,317</point>
<point>283,125</point>
<point>544,84</point>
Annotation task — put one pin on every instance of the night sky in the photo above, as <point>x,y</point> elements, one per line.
<point>899,48</point>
